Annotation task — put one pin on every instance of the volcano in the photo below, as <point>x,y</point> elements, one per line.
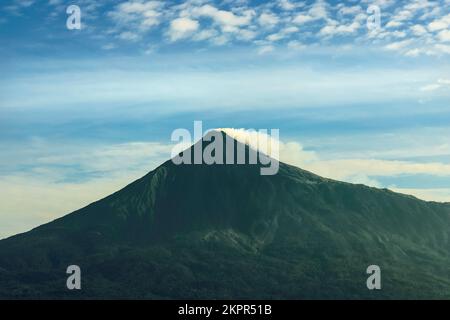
<point>227,232</point>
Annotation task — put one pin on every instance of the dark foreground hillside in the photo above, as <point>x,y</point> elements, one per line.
<point>225,231</point>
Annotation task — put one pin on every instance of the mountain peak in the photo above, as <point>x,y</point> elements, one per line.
<point>261,140</point>
<point>229,147</point>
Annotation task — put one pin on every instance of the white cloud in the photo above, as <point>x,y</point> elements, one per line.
<point>418,30</point>
<point>288,5</point>
<point>335,29</point>
<point>444,81</point>
<point>109,46</point>
<point>275,37</point>
<point>296,45</point>
<point>142,7</point>
<point>407,13</point>
<point>205,34</point>
<point>353,10</point>
<point>429,50</point>
<point>439,195</point>
<point>444,35</point>
<point>416,5</point>
<point>245,34</point>
<point>265,49</point>
<point>440,24</point>
<point>394,24</point>
<point>283,33</point>
<point>399,45</point>
<point>440,83</point>
<point>129,36</point>
<point>398,34</point>
<point>267,19</point>
<point>430,87</point>
<point>413,52</point>
<point>141,15</point>
<point>302,19</point>
<point>181,28</point>
<point>317,11</point>
<point>402,15</point>
<point>342,168</point>
<point>220,40</point>
<point>443,48</point>
<point>380,3</point>
<point>290,29</point>
<point>431,14</point>
<point>263,141</point>
<point>227,20</point>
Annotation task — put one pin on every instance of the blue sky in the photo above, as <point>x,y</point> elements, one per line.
<point>84,112</point>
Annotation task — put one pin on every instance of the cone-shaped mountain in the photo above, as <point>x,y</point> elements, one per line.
<point>226,231</point>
